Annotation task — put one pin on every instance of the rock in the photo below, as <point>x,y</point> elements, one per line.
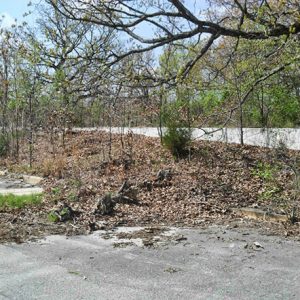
<point>147,242</point>
<point>128,190</point>
<point>258,245</point>
<point>105,205</point>
<point>164,175</point>
<point>131,192</point>
<point>61,213</point>
<point>148,185</point>
<point>34,180</point>
<point>180,238</point>
<point>127,194</point>
<point>3,172</point>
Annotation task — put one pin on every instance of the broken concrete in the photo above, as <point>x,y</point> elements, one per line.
<point>34,180</point>
<point>19,185</point>
<point>22,191</point>
<point>259,214</point>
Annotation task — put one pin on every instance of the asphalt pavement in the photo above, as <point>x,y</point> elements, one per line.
<point>214,263</point>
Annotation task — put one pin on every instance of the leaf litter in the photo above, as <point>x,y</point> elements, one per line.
<point>146,185</point>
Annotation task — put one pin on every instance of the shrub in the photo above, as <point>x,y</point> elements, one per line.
<point>53,217</point>
<point>177,140</point>
<point>175,116</point>
<point>265,171</point>
<point>54,166</point>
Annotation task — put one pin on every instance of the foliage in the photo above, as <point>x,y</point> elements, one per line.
<point>271,189</point>
<point>219,93</point>
<point>177,140</point>
<point>270,193</point>
<point>178,134</point>
<point>67,72</point>
<point>176,21</point>
<point>63,214</point>
<point>16,201</point>
<point>281,196</point>
<point>265,171</point>
<point>53,217</point>
<point>280,108</point>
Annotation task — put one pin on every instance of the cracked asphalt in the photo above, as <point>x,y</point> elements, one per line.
<point>213,263</point>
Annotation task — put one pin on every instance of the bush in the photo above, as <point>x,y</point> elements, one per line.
<point>175,116</point>
<point>177,140</point>
<point>54,166</point>
<point>4,145</point>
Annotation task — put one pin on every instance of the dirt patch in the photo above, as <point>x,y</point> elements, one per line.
<point>149,237</point>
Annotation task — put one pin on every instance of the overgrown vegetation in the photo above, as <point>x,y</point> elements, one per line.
<point>70,71</point>
<point>93,63</point>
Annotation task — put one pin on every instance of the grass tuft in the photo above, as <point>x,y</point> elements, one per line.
<point>19,201</point>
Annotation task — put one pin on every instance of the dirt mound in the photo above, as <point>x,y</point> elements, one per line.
<point>197,191</point>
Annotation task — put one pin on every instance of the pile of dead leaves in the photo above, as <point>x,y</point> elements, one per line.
<point>197,191</point>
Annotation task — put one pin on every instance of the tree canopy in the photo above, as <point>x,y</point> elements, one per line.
<point>152,24</point>
<point>150,62</point>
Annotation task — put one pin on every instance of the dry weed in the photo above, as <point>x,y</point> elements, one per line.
<point>54,166</point>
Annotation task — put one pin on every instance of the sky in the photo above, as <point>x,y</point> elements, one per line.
<point>13,9</point>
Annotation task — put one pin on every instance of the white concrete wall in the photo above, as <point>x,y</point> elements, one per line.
<point>252,136</point>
